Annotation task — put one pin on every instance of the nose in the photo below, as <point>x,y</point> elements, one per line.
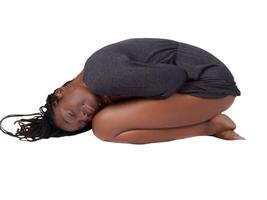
<point>84,116</point>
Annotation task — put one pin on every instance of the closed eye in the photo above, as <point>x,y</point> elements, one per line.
<point>81,122</point>
<point>71,114</point>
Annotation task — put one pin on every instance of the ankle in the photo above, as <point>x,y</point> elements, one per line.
<point>212,127</point>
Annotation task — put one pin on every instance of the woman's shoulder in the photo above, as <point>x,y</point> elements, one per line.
<point>132,48</point>
<point>135,42</point>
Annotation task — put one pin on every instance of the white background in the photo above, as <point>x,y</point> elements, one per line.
<point>43,44</point>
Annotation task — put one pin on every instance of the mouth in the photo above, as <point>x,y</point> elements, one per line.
<point>88,109</point>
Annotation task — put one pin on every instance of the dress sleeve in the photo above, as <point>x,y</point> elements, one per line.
<point>124,77</point>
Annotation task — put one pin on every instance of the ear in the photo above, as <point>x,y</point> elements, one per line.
<point>59,92</point>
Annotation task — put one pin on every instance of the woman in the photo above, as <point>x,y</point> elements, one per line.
<point>138,91</point>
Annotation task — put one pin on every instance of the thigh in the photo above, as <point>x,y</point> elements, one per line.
<point>175,111</point>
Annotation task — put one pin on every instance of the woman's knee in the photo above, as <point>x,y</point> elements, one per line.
<point>228,101</point>
<point>103,124</point>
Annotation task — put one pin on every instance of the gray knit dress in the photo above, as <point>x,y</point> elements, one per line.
<point>157,68</point>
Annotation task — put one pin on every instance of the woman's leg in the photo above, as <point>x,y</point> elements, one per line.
<point>224,127</point>
<point>160,118</point>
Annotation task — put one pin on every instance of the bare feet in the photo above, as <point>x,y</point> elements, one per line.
<point>228,135</point>
<point>222,122</point>
<point>223,127</point>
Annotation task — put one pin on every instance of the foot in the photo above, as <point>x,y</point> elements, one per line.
<point>222,122</point>
<point>228,135</point>
<point>223,127</point>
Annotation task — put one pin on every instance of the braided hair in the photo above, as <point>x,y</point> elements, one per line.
<point>41,126</point>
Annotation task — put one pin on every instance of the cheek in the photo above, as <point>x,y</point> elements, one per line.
<point>77,99</point>
<point>82,96</point>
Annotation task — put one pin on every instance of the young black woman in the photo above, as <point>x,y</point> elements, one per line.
<point>142,90</point>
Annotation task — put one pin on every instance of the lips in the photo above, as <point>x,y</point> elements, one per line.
<point>87,109</point>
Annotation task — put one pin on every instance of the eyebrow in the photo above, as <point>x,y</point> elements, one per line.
<point>65,121</point>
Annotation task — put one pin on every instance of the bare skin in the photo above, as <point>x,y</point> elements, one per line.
<point>179,116</point>
<point>76,107</point>
<point>138,120</point>
<point>78,104</point>
<point>224,127</point>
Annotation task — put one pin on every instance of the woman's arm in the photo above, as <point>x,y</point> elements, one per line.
<point>115,99</point>
<point>135,79</point>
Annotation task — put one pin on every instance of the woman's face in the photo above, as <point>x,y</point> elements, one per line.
<point>76,107</point>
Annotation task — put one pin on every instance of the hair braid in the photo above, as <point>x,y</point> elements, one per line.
<point>41,126</point>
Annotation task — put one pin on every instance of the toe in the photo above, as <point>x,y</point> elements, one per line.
<point>229,135</point>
